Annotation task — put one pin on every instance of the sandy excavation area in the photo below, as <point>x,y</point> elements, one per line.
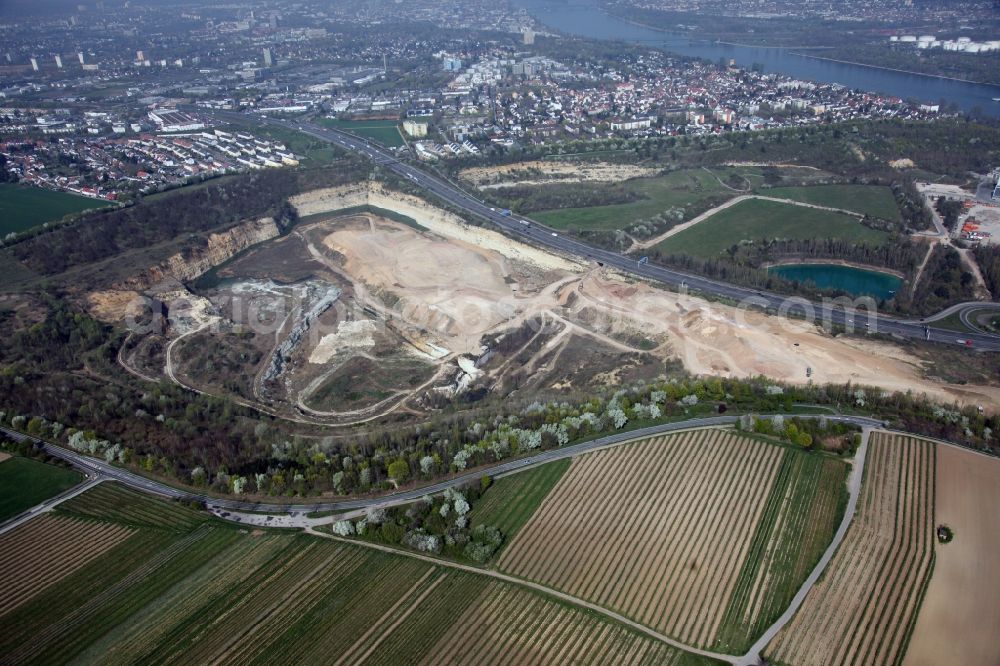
<point>960,614</point>
<point>551,171</point>
<point>447,286</point>
<point>454,289</point>
<point>715,339</point>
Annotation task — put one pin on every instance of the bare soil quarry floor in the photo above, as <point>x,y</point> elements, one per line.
<point>452,288</point>
<point>437,290</point>
<point>716,339</point>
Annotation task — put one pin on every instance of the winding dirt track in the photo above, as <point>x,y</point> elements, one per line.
<point>673,231</point>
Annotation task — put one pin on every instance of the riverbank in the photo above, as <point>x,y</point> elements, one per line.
<point>586,19</point>
<point>763,46</point>
<point>893,69</point>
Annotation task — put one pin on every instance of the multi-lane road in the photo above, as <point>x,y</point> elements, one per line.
<point>859,320</point>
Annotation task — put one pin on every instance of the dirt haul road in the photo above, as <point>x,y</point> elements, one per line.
<point>715,339</point>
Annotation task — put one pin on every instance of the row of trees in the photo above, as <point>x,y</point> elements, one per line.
<point>212,206</point>
<point>210,442</point>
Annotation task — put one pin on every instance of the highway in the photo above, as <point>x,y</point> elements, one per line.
<point>536,234</point>
<point>96,467</point>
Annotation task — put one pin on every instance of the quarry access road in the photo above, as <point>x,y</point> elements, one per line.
<point>530,231</point>
<point>98,467</point>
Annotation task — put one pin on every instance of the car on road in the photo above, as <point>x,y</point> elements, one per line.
<point>554,234</point>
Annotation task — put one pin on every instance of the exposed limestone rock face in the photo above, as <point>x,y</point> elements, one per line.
<point>434,219</point>
<point>219,248</point>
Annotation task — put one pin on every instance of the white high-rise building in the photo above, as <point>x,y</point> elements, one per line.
<point>528,35</point>
<point>58,61</point>
<point>79,55</point>
<point>268,60</point>
<point>34,64</point>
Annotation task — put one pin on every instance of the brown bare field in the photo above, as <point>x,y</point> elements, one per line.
<point>45,550</point>
<point>961,612</point>
<point>508,625</point>
<point>4,456</point>
<point>665,549</point>
<point>863,609</point>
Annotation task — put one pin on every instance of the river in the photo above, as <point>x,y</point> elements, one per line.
<point>584,18</point>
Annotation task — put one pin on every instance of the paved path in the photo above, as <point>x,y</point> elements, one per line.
<point>50,504</point>
<point>97,466</point>
<point>752,657</point>
<point>297,519</point>
<point>548,591</point>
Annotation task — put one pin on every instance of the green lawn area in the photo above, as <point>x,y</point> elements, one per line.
<point>311,150</point>
<point>22,207</point>
<point>758,220</point>
<point>695,190</point>
<point>385,132</point>
<point>25,482</point>
<point>511,501</point>
<point>874,200</point>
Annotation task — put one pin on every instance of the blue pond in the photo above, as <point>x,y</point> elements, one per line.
<point>856,281</point>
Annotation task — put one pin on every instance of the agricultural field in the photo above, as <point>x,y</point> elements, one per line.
<point>511,626</point>
<point>112,502</point>
<point>25,482</point>
<point>873,200</point>
<point>512,500</point>
<point>385,132</point>
<point>864,607</point>
<point>41,552</point>
<point>962,596</point>
<point>22,207</point>
<point>755,219</point>
<point>706,544</point>
<point>118,578</point>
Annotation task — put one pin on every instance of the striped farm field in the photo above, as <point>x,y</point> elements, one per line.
<point>512,500</point>
<point>41,552</point>
<point>701,535</point>
<point>864,608</point>
<point>116,503</point>
<point>802,512</point>
<point>508,625</point>
<point>197,591</point>
<point>79,608</point>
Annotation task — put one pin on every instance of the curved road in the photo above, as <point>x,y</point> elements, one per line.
<point>96,466</point>
<point>99,470</point>
<point>536,234</point>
